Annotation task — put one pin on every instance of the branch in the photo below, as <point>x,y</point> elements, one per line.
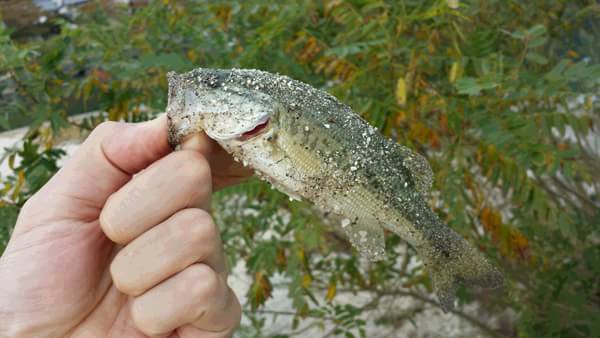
<point>288,313</point>
<point>588,206</point>
<point>474,321</point>
<point>482,326</point>
<point>291,313</point>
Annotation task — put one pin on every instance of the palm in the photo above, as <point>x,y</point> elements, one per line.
<point>83,298</point>
<point>75,278</point>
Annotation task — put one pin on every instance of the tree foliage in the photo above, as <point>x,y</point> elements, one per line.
<point>500,96</point>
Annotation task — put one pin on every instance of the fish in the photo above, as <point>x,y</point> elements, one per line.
<point>311,146</point>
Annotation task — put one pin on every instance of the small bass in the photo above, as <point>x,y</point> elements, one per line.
<point>310,146</point>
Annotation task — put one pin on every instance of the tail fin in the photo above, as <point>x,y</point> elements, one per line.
<point>457,262</point>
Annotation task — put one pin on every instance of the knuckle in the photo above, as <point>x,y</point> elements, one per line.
<point>198,226</point>
<point>148,325</point>
<point>122,280</point>
<point>193,215</point>
<point>105,128</point>
<point>108,224</point>
<point>203,281</point>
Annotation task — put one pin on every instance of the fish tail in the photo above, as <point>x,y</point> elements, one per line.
<point>452,261</point>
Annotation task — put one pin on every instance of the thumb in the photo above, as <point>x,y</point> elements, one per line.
<point>104,162</point>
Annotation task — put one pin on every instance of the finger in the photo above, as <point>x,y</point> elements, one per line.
<point>196,295</point>
<point>187,237</point>
<point>178,181</point>
<point>104,162</point>
<point>199,142</point>
<point>190,331</point>
<point>225,170</point>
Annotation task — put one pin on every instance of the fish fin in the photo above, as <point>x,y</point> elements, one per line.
<point>458,263</point>
<point>418,166</point>
<point>368,240</point>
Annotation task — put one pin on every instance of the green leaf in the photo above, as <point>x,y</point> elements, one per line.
<point>556,73</point>
<point>518,35</point>
<point>4,122</point>
<point>536,58</point>
<point>536,30</point>
<point>468,86</point>
<point>538,42</point>
<point>8,218</point>
<point>171,61</point>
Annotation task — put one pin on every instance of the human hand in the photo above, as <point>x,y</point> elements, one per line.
<point>98,252</point>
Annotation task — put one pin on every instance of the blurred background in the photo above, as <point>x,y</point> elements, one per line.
<point>501,96</point>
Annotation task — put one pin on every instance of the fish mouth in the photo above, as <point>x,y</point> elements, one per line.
<point>257,130</point>
<point>225,133</point>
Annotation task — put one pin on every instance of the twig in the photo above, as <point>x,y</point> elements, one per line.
<point>291,313</point>
<point>303,330</point>
<point>586,204</point>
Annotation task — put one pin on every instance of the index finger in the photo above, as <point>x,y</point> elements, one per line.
<point>103,163</point>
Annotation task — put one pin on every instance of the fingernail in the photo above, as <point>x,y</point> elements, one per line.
<point>158,122</point>
<point>192,142</point>
<point>198,142</point>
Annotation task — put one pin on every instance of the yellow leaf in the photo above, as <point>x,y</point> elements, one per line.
<point>454,4</point>
<point>454,72</point>
<point>303,310</point>
<point>192,55</point>
<point>310,49</point>
<point>520,243</point>
<point>400,117</point>
<point>331,291</point>
<point>572,54</point>
<point>589,103</point>
<point>11,161</point>
<point>401,92</point>
<point>306,280</point>
<point>511,242</point>
<point>281,258</point>
<point>6,189</point>
<point>260,290</point>
<point>491,221</point>
<point>300,254</point>
<point>19,185</point>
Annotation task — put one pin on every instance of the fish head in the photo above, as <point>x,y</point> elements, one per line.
<point>231,114</point>
<point>241,115</point>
